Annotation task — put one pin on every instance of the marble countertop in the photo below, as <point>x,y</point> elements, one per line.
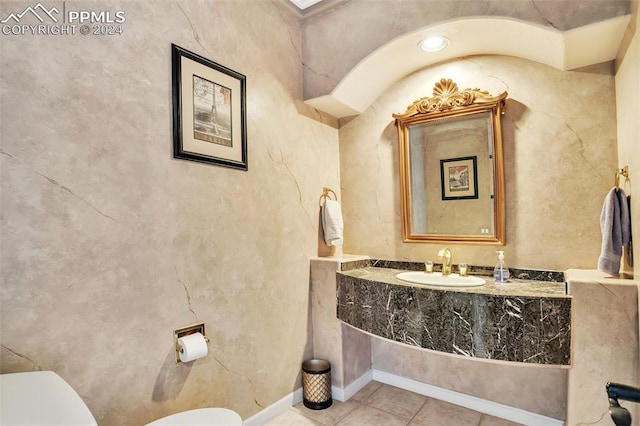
<point>515,287</point>
<point>524,320</point>
<point>592,275</point>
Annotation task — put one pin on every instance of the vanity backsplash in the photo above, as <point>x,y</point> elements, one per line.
<point>522,274</point>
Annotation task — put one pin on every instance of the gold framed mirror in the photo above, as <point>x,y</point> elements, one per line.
<point>452,167</point>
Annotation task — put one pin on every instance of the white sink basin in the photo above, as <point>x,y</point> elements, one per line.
<point>437,279</point>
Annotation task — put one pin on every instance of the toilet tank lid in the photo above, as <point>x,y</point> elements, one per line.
<point>42,398</point>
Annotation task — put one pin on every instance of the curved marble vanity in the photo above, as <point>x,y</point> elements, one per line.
<point>526,320</point>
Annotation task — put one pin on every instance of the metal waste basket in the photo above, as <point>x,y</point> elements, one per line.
<point>316,384</point>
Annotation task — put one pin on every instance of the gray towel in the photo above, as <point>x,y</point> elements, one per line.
<point>630,245</point>
<point>616,232</point>
<point>625,217</point>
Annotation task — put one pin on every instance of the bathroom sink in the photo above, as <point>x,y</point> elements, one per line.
<point>437,279</point>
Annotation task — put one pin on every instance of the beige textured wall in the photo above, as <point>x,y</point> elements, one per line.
<point>559,136</point>
<point>604,344</point>
<point>534,388</point>
<point>347,349</point>
<point>628,111</point>
<point>108,243</point>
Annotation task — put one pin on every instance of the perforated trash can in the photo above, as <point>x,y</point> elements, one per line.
<point>316,384</point>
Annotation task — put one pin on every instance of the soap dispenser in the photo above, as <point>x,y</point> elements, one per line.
<point>501,272</point>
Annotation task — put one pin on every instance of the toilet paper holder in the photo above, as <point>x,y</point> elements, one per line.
<point>185,331</point>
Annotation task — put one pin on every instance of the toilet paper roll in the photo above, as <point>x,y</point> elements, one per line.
<point>192,347</point>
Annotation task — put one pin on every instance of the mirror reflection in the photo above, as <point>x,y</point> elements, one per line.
<point>451,166</point>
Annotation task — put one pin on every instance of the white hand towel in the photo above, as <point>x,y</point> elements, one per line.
<point>615,227</point>
<point>332,223</point>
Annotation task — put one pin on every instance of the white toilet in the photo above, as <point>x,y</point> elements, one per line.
<point>41,398</point>
<point>44,398</point>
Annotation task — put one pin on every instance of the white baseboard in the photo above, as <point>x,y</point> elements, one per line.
<point>294,398</point>
<point>345,394</point>
<point>477,404</point>
<point>275,409</point>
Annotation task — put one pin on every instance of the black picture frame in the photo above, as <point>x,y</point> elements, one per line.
<point>209,111</point>
<point>459,178</point>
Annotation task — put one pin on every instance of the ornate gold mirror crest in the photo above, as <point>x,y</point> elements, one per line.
<point>452,167</point>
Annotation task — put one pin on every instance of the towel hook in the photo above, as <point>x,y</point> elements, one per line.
<point>621,172</point>
<point>325,195</point>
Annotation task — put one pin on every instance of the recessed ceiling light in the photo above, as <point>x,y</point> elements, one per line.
<point>433,44</point>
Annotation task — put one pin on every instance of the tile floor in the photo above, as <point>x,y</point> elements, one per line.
<point>378,404</point>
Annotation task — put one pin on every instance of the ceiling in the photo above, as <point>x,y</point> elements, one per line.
<point>377,69</point>
<point>563,50</point>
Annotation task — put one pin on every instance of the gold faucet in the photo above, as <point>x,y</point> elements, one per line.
<point>445,255</point>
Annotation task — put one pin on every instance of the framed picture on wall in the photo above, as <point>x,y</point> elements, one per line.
<point>209,115</point>
<point>459,177</point>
